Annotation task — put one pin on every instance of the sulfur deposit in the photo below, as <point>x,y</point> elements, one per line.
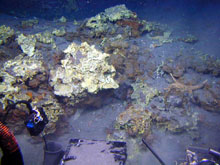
<point>27,43</point>
<point>45,37</point>
<point>112,14</point>
<point>5,34</point>
<point>24,67</point>
<point>15,75</point>
<point>84,69</point>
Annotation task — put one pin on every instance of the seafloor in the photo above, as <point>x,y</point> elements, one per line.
<point>169,80</point>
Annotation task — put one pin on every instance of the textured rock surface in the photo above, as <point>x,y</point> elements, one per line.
<point>45,37</point>
<point>18,72</point>
<point>104,22</point>
<point>29,23</point>
<point>59,32</point>
<point>143,93</point>
<point>84,69</point>
<point>7,81</point>
<point>24,67</point>
<point>135,120</point>
<point>112,14</point>
<point>119,12</point>
<point>27,43</point>
<point>5,34</point>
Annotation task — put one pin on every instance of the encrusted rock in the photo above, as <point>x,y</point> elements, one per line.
<point>85,69</point>
<point>53,111</point>
<point>119,12</point>
<point>111,14</point>
<point>165,38</point>
<point>17,71</point>
<point>59,32</point>
<point>208,99</point>
<point>24,67</point>
<point>135,120</point>
<point>105,22</point>
<point>6,83</point>
<point>5,34</point>
<point>62,19</point>
<point>205,64</point>
<point>14,78</point>
<point>45,37</point>
<point>143,93</point>
<point>189,39</point>
<point>29,23</point>
<point>27,43</point>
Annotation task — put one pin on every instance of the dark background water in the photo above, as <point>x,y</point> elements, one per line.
<point>81,9</point>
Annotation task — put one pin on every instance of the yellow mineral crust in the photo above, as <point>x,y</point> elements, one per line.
<point>5,34</point>
<point>112,14</point>
<point>27,43</point>
<point>6,86</point>
<point>15,73</point>
<point>59,32</point>
<point>45,37</point>
<point>24,67</point>
<point>84,69</point>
